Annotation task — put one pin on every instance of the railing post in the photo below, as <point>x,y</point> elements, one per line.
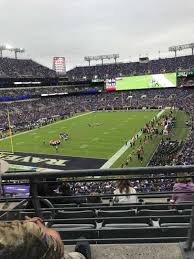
<point>189,243</point>
<point>34,194</point>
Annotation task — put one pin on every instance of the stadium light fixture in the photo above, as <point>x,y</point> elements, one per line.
<point>181,47</point>
<point>8,47</point>
<point>101,57</point>
<point>17,50</point>
<point>2,48</point>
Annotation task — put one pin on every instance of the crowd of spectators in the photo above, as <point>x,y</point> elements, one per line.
<point>166,65</point>
<point>24,68</point>
<point>32,91</point>
<point>25,113</point>
<point>165,153</point>
<point>30,112</point>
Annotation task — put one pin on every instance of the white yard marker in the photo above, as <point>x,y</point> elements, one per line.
<point>84,146</point>
<point>124,148</point>
<point>61,121</point>
<point>95,139</point>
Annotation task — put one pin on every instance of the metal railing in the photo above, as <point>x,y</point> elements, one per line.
<point>103,235</point>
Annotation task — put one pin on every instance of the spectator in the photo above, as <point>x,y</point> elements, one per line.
<point>30,239</point>
<point>183,185</point>
<point>65,189</point>
<point>94,198</point>
<point>124,187</point>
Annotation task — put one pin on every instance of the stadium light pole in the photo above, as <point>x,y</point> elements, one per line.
<point>192,49</point>
<point>18,50</point>
<point>2,48</point>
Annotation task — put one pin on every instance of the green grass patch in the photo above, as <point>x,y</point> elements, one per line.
<point>141,82</point>
<point>134,82</point>
<point>181,130</point>
<point>180,133</point>
<point>171,77</point>
<point>108,134</point>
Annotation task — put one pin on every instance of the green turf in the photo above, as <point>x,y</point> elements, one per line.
<point>180,132</point>
<point>99,141</point>
<point>141,82</point>
<point>171,77</point>
<point>134,82</point>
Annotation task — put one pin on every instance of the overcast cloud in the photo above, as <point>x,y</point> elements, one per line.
<point>75,28</point>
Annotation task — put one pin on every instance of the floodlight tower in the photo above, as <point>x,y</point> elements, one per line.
<point>88,59</point>
<point>2,48</point>
<point>115,57</point>
<point>192,48</point>
<point>173,49</point>
<point>102,60</point>
<point>18,50</point>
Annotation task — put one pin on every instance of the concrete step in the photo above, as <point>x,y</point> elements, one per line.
<point>137,251</point>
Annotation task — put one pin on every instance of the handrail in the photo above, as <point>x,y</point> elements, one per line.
<point>100,172</point>
<point>86,179</point>
<point>33,179</point>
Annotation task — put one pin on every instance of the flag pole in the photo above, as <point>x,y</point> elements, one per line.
<point>10,132</point>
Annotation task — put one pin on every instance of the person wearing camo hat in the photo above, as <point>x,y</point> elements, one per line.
<point>31,239</point>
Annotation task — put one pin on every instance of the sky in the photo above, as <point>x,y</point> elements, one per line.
<point>78,28</point>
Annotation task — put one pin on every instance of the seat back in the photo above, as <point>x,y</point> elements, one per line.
<point>93,205</point>
<point>174,219</point>
<point>157,213</point>
<point>116,213</point>
<point>127,220</point>
<point>75,214</point>
<point>187,212</point>
<point>155,206</point>
<point>64,205</point>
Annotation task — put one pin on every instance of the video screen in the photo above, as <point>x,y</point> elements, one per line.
<point>185,79</point>
<point>142,82</point>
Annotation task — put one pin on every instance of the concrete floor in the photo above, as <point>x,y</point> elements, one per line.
<point>139,251</point>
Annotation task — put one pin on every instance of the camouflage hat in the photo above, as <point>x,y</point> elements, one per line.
<point>26,241</point>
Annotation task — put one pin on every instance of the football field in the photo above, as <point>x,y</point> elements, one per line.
<point>93,135</point>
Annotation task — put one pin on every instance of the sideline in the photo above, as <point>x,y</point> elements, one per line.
<point>124,148</point>
<point>51,124</point>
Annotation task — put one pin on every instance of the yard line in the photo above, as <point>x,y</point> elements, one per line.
<point>29,131</point>
<point>124,148</point>
<point>84,146</point>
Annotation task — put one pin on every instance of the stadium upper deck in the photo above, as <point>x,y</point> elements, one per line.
<point>23,68</point>
<point>167,65</point>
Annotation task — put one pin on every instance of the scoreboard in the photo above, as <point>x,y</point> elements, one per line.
<point>185,78</point>
<point>59,65</point>
<point>185,73</point>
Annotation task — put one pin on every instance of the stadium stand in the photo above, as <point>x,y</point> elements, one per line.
<point>103,222</point>
<point>166,65</point>
<point>144,222</point>
<point>25,72</point>
<point>38,108</point>
<point>23,68</point>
